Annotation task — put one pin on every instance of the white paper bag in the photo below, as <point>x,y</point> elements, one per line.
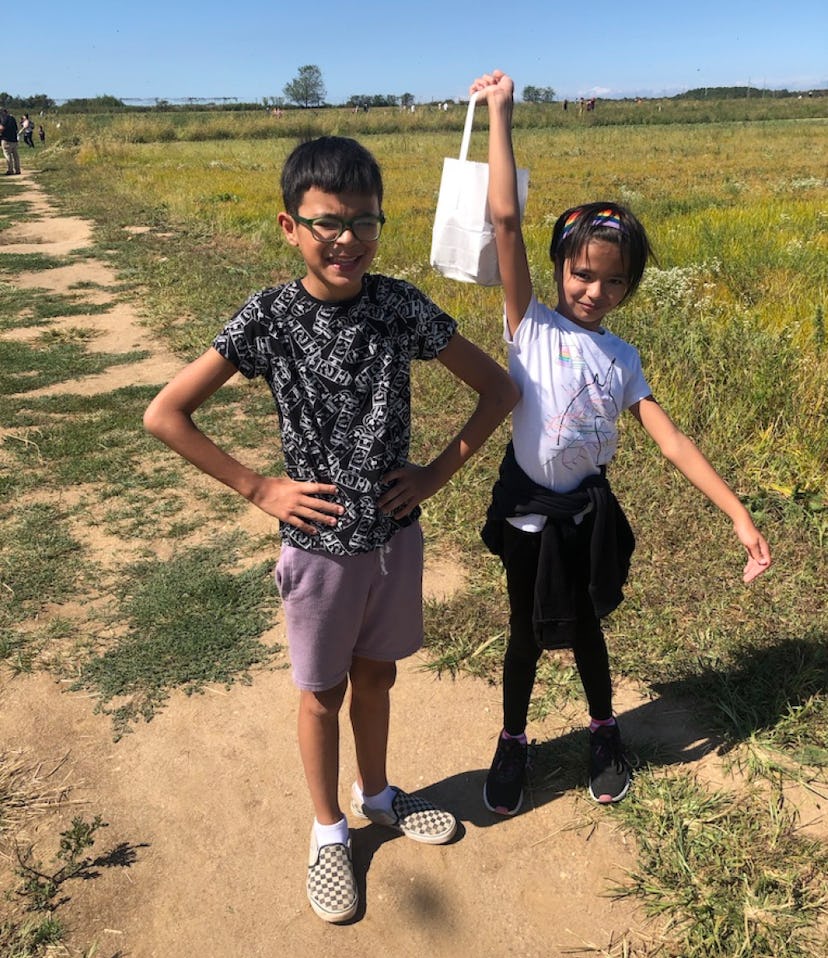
<point>462,241</point>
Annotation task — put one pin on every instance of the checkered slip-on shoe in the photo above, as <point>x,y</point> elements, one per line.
<point>332,890</point>
<point>413,816</point>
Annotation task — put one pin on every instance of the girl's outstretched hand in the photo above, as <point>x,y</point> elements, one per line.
<point>759,557</point>
<point>752,569</point>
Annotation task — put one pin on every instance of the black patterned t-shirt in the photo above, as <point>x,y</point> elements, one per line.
<point>340,377</point>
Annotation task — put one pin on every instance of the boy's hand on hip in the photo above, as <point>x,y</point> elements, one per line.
<point>410,485</point>
<point>298,503</point>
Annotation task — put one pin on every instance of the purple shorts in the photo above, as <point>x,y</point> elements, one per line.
<point>337,607</point>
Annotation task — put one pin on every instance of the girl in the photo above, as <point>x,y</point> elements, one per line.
<point>561,535</point>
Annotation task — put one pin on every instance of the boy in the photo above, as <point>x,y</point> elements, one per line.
<point>335,348</point>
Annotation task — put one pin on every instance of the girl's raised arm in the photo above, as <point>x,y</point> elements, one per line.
<point>498,90</point>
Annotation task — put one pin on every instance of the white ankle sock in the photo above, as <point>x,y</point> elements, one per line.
<point>336,834</point>
<point>382,800</point>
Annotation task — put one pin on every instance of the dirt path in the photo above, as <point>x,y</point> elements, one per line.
<point>208,813</point>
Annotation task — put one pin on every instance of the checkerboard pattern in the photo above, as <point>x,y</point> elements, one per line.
<point>415,817</point>
<point>332,889</point>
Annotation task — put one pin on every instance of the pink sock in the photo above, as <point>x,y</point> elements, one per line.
<point>601,723</point>
<point>518,738</point>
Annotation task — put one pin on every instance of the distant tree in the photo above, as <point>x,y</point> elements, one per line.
<point>36,102</point>
<point>97,104</point>
<point>729,93</point>
<point>407,99</point>
<point>306,88</point>
<point>538,94</point>
<point>360,100</point>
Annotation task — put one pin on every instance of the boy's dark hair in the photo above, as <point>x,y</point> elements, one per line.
<point>333,164</point>
<point>606,221</point>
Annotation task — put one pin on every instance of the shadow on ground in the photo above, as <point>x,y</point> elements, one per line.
<point>713,710</point>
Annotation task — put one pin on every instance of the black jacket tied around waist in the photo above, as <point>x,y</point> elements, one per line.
<point>610,547</point>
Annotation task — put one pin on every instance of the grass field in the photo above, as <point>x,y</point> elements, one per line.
<point>731,328</point>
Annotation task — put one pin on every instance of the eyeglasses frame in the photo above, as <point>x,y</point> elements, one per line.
<point>310,222</point>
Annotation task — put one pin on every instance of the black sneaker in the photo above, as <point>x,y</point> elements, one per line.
<point>503,791</point>
<point>609,770</point>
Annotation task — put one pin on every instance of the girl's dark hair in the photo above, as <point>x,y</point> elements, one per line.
<point>333,164</point>
<point>606,221</point>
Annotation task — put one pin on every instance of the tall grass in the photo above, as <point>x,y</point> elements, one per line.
<point>218,125</point>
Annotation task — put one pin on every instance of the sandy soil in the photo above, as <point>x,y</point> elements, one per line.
<point>205,850</point>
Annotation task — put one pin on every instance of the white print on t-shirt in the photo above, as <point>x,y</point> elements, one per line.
<point>574,385</point>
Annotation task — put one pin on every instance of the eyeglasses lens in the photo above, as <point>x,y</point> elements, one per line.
<point>329,229</point>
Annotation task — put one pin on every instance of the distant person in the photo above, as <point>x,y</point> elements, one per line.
<point>561,535</point>
<point>8,142</point>
<point>27,129</point>
<point>42,134</point>
<point>336,347</point>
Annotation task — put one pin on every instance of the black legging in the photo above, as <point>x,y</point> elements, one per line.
<point>520,559</point>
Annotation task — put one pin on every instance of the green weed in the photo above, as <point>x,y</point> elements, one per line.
<point>40,887</point>
<point>39,564</point>
<point>188,621</point>
<point>24,367</point>
<point>26,262</point>
<point>734,878</point>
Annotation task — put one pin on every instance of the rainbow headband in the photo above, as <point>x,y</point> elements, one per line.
<point>602,218</point>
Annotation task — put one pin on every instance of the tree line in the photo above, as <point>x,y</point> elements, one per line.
<point>307,90</point>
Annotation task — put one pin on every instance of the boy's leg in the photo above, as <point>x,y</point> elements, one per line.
<point>331,886</point>
<point>318,728</point>
<point>371,684</point>
<point>372,797</point>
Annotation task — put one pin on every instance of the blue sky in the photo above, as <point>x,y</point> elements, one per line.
<point>249,49</point>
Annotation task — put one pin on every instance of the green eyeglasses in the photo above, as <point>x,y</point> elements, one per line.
<point>328,229</point>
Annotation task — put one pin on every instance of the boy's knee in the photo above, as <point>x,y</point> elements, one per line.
<point>325,703</point>
<point>371,676</point>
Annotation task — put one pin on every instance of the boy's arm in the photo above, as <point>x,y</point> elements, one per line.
<point>497,396</point>
<point>683,453</point>
<point>169,418</point>
<point>504,207</point>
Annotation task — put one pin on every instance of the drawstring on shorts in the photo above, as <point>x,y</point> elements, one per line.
<point>384,550</point>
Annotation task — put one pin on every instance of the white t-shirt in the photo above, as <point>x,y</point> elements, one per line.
<point>574,385</point>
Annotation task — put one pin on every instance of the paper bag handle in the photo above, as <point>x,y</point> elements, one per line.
<point>464,145</point>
